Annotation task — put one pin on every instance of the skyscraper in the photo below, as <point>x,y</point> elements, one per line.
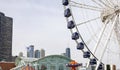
<point>42,53</point>
<point>30,51</point>
<point>37,53</point>
<point>5,37</point>
<point>68,54</point>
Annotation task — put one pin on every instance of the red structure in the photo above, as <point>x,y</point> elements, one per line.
<point>73,65</point>
<point>7,65</point>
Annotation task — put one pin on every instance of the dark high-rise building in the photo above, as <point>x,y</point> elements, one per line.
<point>68,53</point>
<point>37,53</point>
<point>5,37</point>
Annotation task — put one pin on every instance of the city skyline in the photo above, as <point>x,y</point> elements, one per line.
<point>40,23</point>
<point>40,53</point>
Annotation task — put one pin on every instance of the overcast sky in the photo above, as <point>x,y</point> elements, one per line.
<point>40,23</point>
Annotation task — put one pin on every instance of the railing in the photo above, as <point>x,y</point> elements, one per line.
<point>18,67</point>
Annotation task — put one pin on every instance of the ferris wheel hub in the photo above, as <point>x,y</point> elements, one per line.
<point>108,12</point>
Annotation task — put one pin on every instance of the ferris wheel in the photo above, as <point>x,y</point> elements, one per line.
<point>95,27</point>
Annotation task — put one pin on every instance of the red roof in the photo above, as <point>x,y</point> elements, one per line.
<point>7,65</point>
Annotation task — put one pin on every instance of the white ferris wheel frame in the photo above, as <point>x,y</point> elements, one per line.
<point>114,15</point>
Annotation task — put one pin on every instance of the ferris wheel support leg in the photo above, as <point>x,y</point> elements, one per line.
<point>107,41</point>
<point>99,38</point>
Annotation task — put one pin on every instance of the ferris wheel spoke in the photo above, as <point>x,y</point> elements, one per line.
<point>87,21</point>
<point>84,6</point>
<point>104,3</point>
<point>107,41</point>
<point>92,38</point>
<point>109,3</point>
<point>102,32</point>
<point>100,37</point>
<point>98,3</point>
<point>114,52</point>
<point>117,30</point>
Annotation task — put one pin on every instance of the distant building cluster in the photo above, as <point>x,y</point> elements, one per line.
<point>31,53</point>
<point>35,54</point>
<point>41,53</point>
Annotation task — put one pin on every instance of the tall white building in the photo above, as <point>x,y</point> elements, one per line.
<point>21,54</point>
<point>42,53</point>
